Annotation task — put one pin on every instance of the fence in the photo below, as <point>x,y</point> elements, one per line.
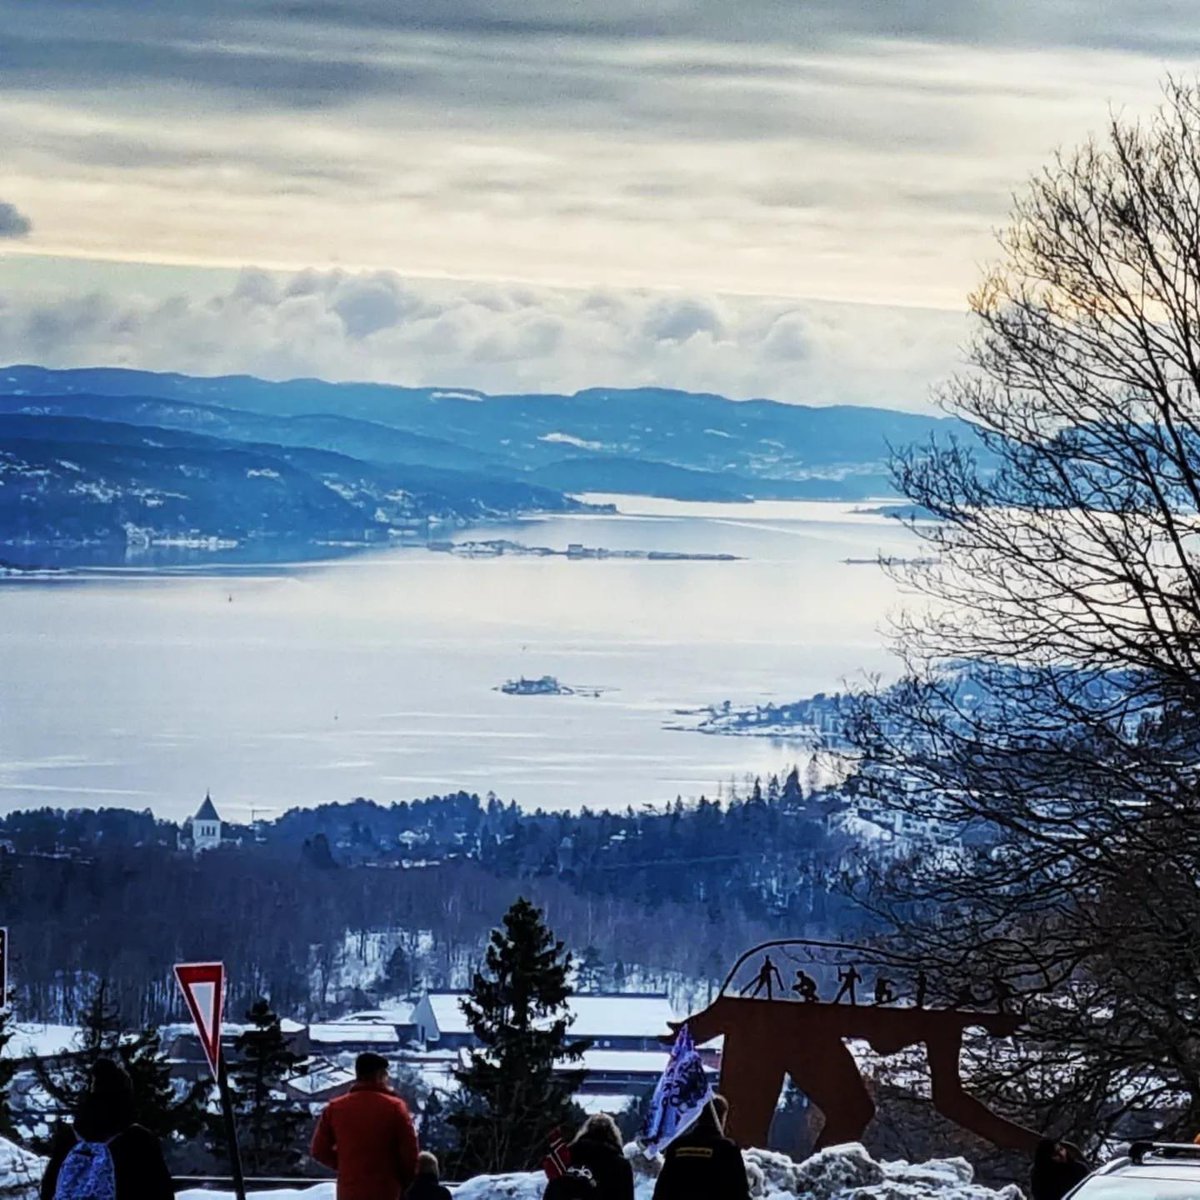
<point>261,1184</point>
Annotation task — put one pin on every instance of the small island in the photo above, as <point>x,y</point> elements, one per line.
<point>547,685</point>
<point>813,721</point>
<point>501,547</point>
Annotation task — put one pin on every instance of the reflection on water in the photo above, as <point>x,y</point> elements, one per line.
<point>373,675</point>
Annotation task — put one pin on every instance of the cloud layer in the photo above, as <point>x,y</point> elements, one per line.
<point>843,149</point>
<point>380,326</point>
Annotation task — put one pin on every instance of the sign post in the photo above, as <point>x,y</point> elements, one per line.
<point>203,987</point>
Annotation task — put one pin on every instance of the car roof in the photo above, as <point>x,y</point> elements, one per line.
<point>1157,1160</point>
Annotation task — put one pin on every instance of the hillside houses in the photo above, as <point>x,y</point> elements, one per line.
<point>426,1043</point>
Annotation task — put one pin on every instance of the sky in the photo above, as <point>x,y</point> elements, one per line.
<point>783,198</point>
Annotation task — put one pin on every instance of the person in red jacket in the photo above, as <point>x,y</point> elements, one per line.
<point>367,1137</point>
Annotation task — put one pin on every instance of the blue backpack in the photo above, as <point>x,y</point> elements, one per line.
<point>87,1173</point>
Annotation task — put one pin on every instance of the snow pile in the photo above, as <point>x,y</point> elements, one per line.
<point>20,1172</point>
<point>850,1173</point>
<point>838,1173</point>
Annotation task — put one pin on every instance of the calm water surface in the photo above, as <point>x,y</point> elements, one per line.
<point>374,675</point>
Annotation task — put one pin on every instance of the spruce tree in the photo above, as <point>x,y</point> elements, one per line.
<point>271,1127</point>
<point>8,1069</point>
<point>159,1105</point>
<point>589,973</point>
<point>511,1094</point>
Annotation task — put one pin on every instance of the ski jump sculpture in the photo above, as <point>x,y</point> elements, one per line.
<point>766,1039</point>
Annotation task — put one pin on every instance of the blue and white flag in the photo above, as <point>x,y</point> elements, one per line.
<point>680,1096</point>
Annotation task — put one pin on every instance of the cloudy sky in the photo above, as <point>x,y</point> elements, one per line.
<point>762,197</point>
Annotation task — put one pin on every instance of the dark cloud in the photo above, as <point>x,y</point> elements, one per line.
<point>513,52</point>
<point>13,223</point>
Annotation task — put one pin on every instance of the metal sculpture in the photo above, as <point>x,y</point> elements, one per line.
<point>763,980</point>
<point>804,1038</point>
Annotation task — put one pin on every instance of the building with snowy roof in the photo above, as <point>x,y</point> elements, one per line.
<point>610,1021</point>
<point>353,1037</point>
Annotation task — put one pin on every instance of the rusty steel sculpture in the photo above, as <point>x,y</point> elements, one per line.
<point>798,1034</point>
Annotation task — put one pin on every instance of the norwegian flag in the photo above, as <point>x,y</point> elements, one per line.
<point>555,1163</point>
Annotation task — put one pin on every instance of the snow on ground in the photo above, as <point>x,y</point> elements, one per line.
<point>20,1171</point>
<point>41,1041</point>
<point>839,1173</point>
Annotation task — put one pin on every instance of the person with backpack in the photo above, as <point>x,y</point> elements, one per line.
<point>428,1185</point>
<point>107,1156</point>
<point>702,1163</point>
<point>367,1136</point>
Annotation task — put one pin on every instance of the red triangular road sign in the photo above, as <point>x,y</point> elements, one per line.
<point>203,987</point>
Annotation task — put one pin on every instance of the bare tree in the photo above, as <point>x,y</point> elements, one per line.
<point>1049,718</point>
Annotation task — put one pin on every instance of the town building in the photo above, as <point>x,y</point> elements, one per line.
<point>611,1021</point>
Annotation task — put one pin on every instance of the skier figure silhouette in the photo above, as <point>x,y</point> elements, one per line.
<point>805,987</point>
<point>849,979</point>
<point>922,989</point>
<point>767,974</point>
<point>883,991</point>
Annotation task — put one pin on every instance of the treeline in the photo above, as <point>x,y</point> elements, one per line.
<point>335,905</point>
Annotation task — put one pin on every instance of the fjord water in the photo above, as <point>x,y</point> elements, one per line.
<point>374,675</point>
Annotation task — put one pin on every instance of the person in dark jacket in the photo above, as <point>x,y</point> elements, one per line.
<point>427,1185</point>
<point>1057,1168</point>
<point>597,1149</point>
<point>703,1164</point>
<point>105,1114</point>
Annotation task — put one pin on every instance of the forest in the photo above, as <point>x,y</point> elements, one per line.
<point>330,907</point>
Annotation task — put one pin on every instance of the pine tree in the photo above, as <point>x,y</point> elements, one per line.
<point>436,1134</point>
<point>399,975</point>
<point>158,1105</point>
<point>8,1069</point>
<point>262,1061</point>
<point>590,972</point>
<point>511,1094</point>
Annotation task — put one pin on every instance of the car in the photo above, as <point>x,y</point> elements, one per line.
<point>1151,1171</point>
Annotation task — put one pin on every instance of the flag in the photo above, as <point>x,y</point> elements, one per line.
<point>679,1097</point>
<point>555,1163</point>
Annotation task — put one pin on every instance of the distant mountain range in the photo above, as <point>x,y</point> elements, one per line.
<point>104,455</point>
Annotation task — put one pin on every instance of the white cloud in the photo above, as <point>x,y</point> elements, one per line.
<point>495,337</point>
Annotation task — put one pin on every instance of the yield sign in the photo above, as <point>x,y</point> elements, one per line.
<point>203,987</point>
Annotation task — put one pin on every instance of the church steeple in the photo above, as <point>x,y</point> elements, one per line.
<point>206,826</point>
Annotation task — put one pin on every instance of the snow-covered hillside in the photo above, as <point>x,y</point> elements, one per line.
<point>839,1173</point>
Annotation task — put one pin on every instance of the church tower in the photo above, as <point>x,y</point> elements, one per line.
<point>206,827</point>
